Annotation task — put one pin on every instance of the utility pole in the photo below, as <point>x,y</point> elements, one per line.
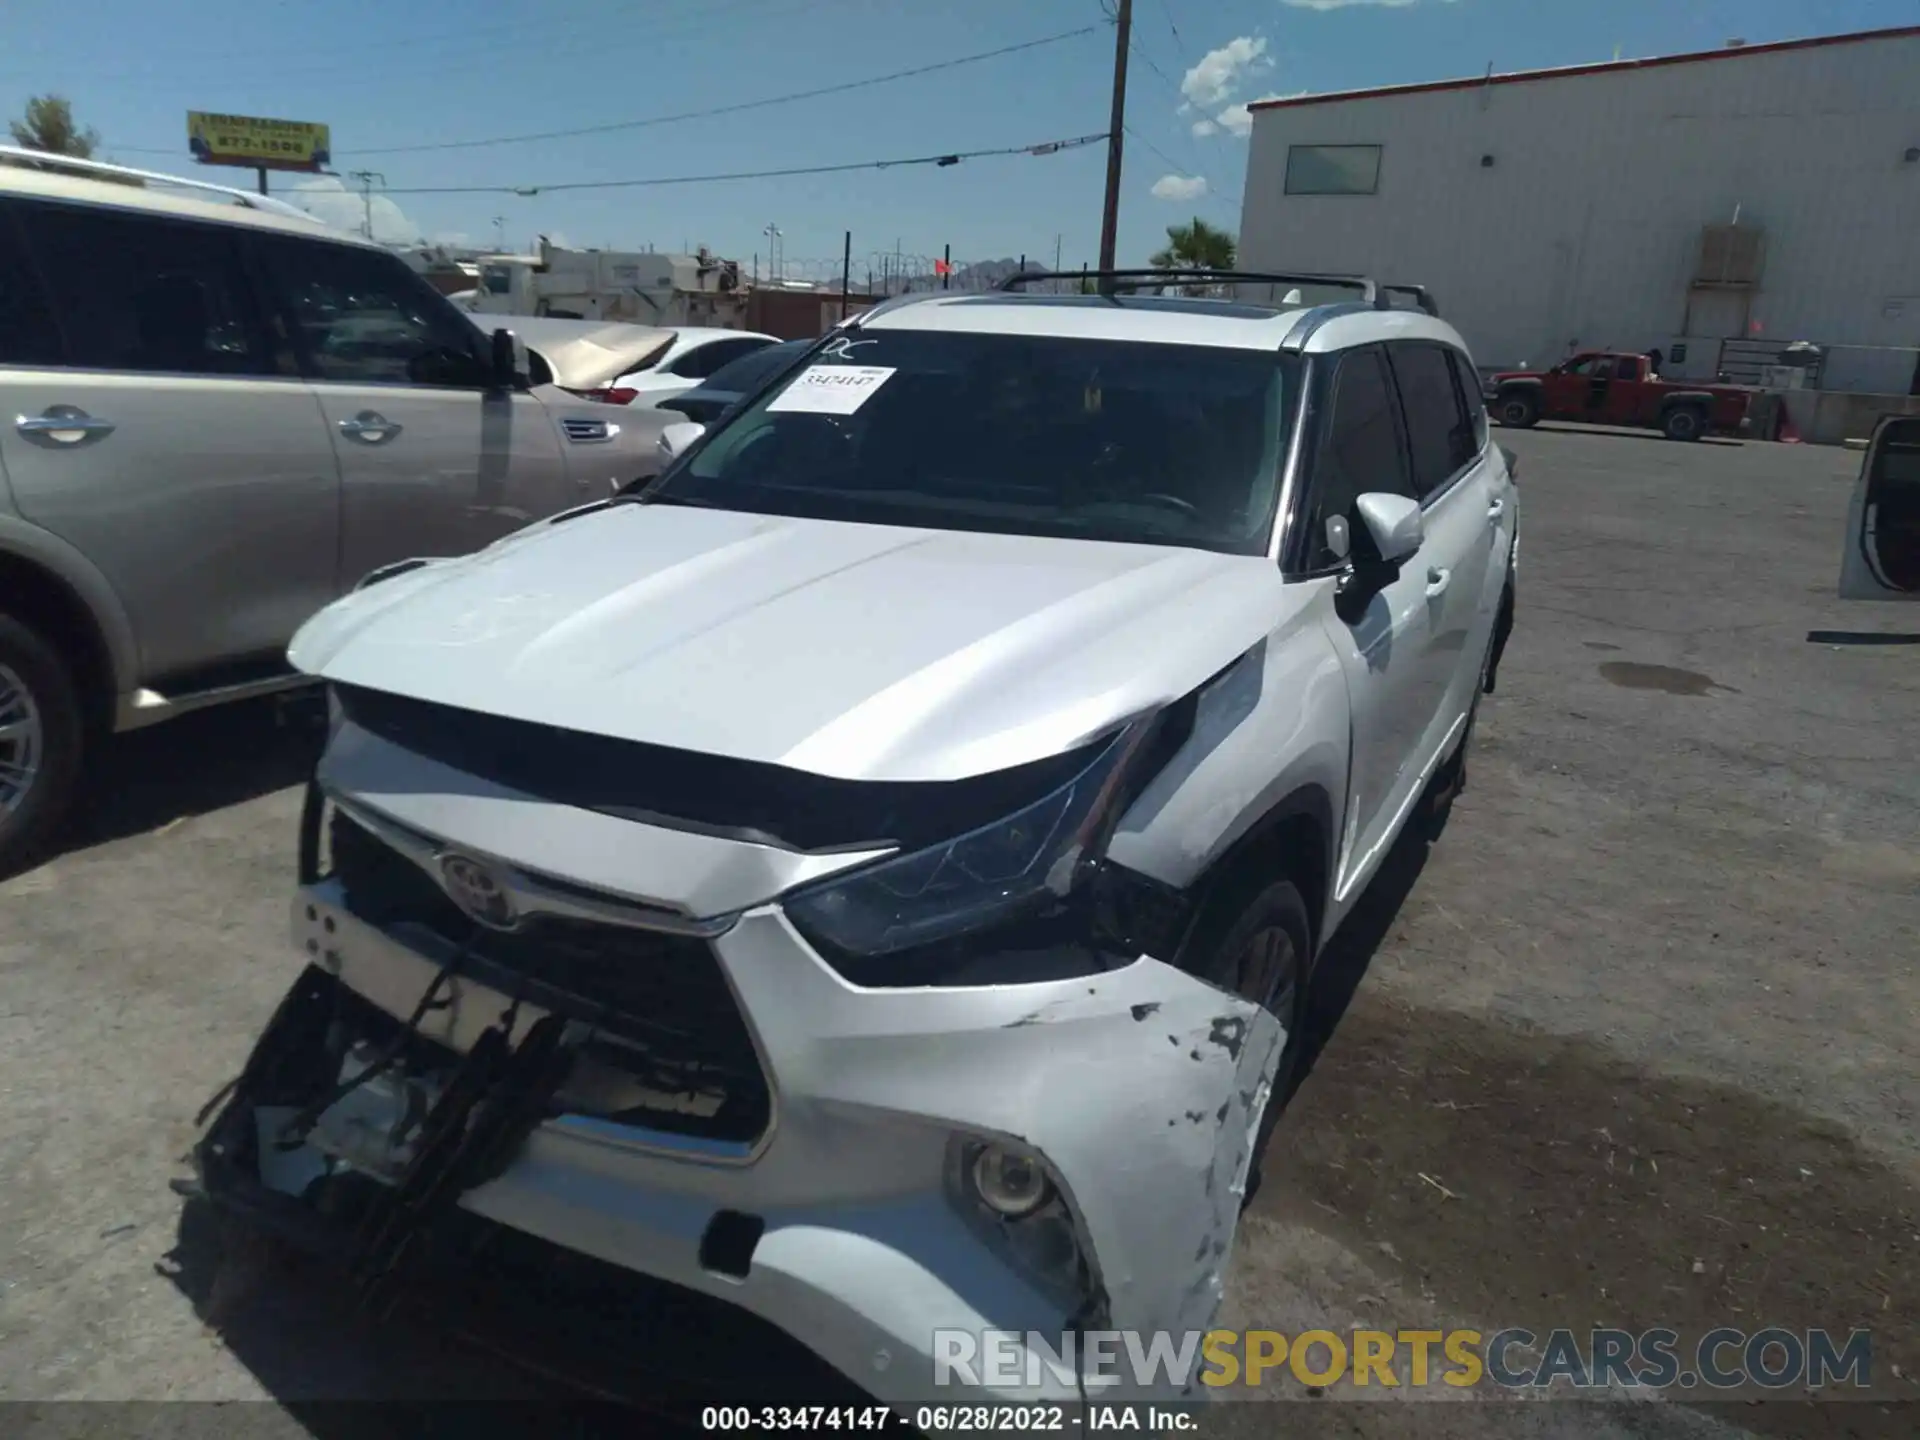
<point>366,179</point>
<point>1116,129</point>
<point>500,234</point>
<point>773,234</point>
<point>846,271</point>
<point>946,269</point>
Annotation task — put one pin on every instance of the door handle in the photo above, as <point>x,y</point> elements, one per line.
<point>369,427</point>
<point>65,425</point>
<point>1437,580</point>
<point>1496,508</point>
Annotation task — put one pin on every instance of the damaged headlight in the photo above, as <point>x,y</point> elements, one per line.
<point>1025,867</point>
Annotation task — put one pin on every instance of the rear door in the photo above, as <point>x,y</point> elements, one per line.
<point>1630,401</point>
<point>1881,559</point>
<point>170,439</point>
<point>1460,483</point>
<point>433,460</point>
<point>1385,639</point>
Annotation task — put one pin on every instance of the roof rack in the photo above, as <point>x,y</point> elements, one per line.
<point>1130,280</point>
<point>1419,293</point>
<point>87,169</point>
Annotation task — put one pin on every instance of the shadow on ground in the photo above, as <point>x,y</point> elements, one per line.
<point>195,765</point>
<point>1523,1178</point>
<point>1627,432</point>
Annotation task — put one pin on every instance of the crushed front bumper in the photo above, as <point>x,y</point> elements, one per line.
<point>846,1221</point>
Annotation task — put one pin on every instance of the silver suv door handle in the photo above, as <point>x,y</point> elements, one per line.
<point>1496,508</point>
<point>63,425</point>
<point>369,427</point>
<point>1437,579</point>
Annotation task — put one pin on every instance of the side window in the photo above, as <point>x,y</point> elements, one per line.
<point>699,363</point>
<point>1359,451</point>
<point>1468,379</point>
<point>1439,432</point>
<point>144,293</point>
<point>28,335</point>
<point>1626,368</point>
<point>363,317</point>
<point>1585,365</point>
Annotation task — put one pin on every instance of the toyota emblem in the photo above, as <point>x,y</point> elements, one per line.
<point>478,892</point>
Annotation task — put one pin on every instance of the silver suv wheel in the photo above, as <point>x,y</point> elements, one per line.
<point>21,740</point>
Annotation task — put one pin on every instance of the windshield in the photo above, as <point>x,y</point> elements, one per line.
<point>1019,434</point>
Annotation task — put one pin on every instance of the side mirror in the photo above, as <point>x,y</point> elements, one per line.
<point>511,369</point>
<point>1393,524</point>
<point>678,438</point>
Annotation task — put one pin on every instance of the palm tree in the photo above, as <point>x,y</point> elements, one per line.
<point>1196,246</point>
<point>48,125</point>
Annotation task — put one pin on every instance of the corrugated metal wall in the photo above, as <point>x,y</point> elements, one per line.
<point>1585,228</point>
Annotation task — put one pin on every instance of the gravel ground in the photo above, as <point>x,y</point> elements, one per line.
<point>1633,1044</point>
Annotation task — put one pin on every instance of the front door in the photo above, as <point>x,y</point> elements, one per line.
<point>1384,634</point>
<point>1882,556</point>
<point>434,460</point>
<point>169,438</point>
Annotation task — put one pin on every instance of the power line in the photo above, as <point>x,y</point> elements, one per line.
<point>1135,135</point>
<point>739,106</point>
<point>951,158</point>
<point>1167,10</point>
<point>1199,161</point>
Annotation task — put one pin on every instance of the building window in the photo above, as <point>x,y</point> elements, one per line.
<point>1333,169</point>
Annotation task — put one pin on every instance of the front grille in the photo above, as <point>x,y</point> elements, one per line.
<point>662,1013</point>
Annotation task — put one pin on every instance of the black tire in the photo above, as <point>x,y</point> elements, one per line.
<point>1263,920</point>
<point>37,690</point>
<point>1684,422</point>
<point>1517,409</point>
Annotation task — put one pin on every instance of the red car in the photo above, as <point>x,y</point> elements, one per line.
<point>1604,388</point>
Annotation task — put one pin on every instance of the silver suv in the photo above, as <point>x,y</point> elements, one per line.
<point>871,877</point>
<point>215,415</point>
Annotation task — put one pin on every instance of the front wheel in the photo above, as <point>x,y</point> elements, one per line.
<point>1259,949</point>
<point>1518,409</point>
<point>41,737</point>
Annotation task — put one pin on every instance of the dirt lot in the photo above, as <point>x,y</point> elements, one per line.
<point>1634,1044</point>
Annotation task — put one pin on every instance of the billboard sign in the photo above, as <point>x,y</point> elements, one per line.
<point>258,144</point>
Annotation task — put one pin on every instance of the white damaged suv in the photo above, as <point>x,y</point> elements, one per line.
<point>870,877</point>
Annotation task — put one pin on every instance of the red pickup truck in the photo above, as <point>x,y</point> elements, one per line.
<point>1602,388</point>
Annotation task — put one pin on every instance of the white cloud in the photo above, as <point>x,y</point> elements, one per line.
<point>1219,73</point>
<point>1179,187</point>
<point>327,198</point>
<point>1343,4</point>
<point>1204,128</point>
<point>1236,118</point>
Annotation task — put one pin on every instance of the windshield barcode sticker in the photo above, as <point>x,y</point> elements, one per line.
<point>832,389</point>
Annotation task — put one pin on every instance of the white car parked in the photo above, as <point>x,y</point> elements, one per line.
<point>689,355</point>
<point>871,877</point>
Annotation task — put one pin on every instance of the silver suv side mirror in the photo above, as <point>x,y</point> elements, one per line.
<point>1393,522</point>
<point>678,438</point>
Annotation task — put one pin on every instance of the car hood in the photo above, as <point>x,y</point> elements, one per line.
<point>858,651</point>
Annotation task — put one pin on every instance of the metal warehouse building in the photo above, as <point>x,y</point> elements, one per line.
<point>1717,206</point>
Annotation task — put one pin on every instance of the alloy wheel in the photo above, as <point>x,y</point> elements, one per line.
<point>1267,971</point>
<point>21,740</point>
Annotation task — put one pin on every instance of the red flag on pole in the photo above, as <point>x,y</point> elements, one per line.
<point>941,267</point>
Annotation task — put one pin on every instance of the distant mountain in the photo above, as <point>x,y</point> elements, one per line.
<point>977,275</point>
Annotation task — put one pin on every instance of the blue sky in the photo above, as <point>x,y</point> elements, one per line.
<point>386,74</point>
